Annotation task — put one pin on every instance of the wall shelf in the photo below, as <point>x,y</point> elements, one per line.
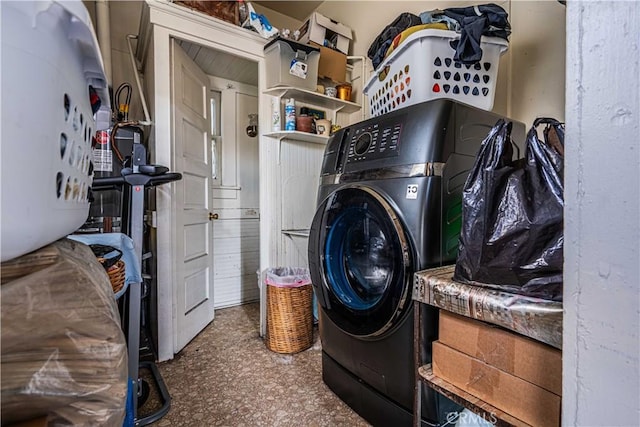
<point>462,398</point>
<point>310,97</point>
<point>298,136</point>
<point>290,164</point>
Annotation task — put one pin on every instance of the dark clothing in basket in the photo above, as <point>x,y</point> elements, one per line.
<point>379,47</point>
<point>477,21</point>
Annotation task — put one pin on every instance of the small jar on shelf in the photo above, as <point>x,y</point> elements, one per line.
<point>305,122</point>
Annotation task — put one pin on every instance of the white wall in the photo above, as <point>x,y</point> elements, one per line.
<point>236,253</point>
<point>601,370</point>
<point>536,66</point>
<point>299,172</point>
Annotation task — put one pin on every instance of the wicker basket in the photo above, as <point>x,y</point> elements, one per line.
<point>113,265</point>
<point>289,318</point>
<point>116,275</point>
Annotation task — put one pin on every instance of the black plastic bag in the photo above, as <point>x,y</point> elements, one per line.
<point>512,214</point>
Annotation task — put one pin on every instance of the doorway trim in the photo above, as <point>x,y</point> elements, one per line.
<point>160,22</point>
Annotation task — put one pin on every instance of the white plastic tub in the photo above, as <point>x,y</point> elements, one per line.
<point>50,56</point>
<point>422,68</point>
<point>291,64</point>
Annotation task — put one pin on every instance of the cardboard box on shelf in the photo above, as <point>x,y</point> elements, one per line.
<point>332,64</point>
<point>515,396</point>
<point>508,351</point>
<point>317,28</point>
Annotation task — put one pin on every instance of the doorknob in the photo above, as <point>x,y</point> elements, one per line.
<point>212,216</point>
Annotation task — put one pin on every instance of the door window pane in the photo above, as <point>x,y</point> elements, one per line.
<point>216,138</point>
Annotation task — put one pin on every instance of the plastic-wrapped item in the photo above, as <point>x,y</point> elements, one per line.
<point>535,318</point>
<point>259,23</point>
<point>287,277</point>
<point>512,215</point>
<point>64,354</point>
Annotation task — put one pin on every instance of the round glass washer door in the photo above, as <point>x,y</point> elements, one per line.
<point>366,262</point>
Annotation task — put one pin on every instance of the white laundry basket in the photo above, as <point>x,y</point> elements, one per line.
<point>422,68</point>
<point>50,56</point>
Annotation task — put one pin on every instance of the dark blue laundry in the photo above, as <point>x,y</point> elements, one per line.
<point>438,16</point>
<point>476,21</point>
<point>379,47</point>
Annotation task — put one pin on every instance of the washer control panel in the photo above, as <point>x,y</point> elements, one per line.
<point>375,141</point>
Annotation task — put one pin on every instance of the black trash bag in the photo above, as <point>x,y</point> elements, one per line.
<point>512,214</point>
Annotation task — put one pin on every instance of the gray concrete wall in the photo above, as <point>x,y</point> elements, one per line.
<point>601,378</point>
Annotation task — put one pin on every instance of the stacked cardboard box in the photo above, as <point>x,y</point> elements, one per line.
<point>513,373</point>
<point>333,40</point>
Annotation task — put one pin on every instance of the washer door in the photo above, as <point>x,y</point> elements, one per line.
<point>362,273</point>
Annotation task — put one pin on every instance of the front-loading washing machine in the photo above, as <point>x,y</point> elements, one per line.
<point>389,204</point>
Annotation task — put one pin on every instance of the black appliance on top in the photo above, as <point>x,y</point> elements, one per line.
<point>389,204</point>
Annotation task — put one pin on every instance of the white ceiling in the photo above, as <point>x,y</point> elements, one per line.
<point>221,64</point>
<point>295,9</point>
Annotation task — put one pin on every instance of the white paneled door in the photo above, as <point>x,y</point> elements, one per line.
<point>194,230</point>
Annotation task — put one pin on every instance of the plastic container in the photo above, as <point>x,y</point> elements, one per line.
<point>422,68</point>
<point>290,115</point>
<point>291,64</point>
<point>276,124</point>
<point>50,57</point>
<point>289,309</point>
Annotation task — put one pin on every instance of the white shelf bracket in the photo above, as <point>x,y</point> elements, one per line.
<point>280,138</point>
<point>335,114</point>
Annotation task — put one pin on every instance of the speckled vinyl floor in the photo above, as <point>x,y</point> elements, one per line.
<point>227,377</point>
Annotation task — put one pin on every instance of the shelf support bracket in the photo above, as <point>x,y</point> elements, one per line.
<point>280,138</point>
<point>335,114</point>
